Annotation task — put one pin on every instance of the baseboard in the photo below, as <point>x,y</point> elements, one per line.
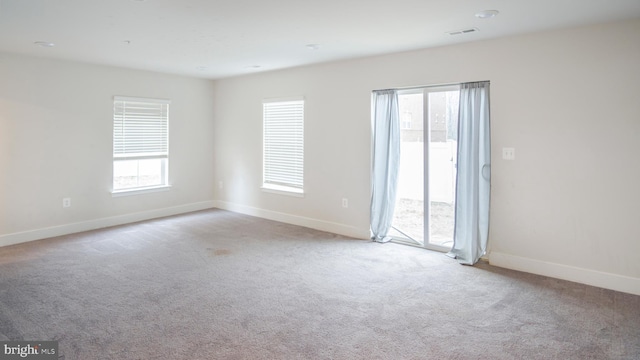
<point>31,235</point>
<point>336,228</point>
<point>565,272</point>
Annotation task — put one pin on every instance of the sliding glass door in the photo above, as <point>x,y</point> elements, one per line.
<point>425,203</point>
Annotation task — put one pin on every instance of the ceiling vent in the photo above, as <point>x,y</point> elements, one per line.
<point>465,31</point>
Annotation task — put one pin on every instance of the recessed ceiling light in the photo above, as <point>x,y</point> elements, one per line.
<point>44,44</point>
<point>487,14</point>
<point>253,67</point>
<point>201,68</point>
<point>126,42</point>
<point>313,46</point>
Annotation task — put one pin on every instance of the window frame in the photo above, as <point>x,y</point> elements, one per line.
<point>283,173</point>
<point>156,147</point>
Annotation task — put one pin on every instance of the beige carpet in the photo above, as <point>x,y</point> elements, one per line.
<point>220,285</point>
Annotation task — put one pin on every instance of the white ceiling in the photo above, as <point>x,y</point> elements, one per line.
<point>221,38</point>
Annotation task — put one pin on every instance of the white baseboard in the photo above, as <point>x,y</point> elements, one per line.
<point>321,225</point>
<point>31,235</point>
<point>565,272</point>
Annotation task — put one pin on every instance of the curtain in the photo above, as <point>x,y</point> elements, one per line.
<point>386,159</point>
<point>473,182</point>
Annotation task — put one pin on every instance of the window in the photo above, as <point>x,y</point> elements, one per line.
<point>283,141</point>
<point>140,143</point>
<point>406,120</point>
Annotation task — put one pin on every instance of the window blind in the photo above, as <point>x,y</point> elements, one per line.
<point>140,128</point>
<point>284,143</point>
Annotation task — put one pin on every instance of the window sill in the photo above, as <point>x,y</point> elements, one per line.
<point>282,190</point>
<point>137,191</point>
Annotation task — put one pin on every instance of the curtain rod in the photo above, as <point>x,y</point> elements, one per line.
<point>429,86</point>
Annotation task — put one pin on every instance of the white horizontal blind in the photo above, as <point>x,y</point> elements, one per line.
<point>140,128</point>
<point>284,143</point>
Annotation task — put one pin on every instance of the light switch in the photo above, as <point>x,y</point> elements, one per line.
<point>508,153</point>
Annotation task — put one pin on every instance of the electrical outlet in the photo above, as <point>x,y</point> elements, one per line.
<point>220,184</point>
<point>66,202</point>
<point>345,202</point>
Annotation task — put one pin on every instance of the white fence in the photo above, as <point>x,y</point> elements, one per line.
<point>442,171</point>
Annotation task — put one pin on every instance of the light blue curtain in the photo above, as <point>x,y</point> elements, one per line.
<point>386,159</point>
<point>473,183</point>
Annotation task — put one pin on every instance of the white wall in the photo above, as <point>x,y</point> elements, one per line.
<point>56,125</point>
<point>567,101</point>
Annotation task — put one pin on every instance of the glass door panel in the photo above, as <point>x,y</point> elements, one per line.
<point>442,156</point>
<point>408,221</point>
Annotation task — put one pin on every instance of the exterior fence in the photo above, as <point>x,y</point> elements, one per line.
<point>442,171</point>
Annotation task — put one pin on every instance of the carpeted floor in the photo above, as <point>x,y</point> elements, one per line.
<point>219,285</point>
